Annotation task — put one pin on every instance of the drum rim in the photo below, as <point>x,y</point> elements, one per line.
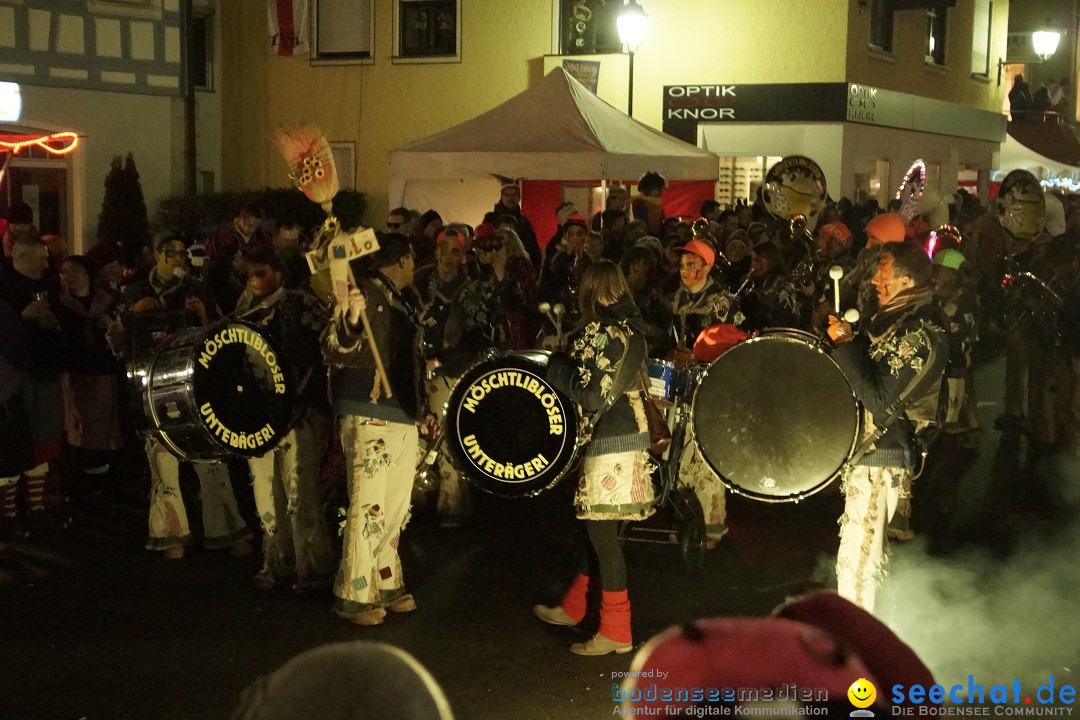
<point>198,334</point>
<point>790,335</point>
<point>568,404</point>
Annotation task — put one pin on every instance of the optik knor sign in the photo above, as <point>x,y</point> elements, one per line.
<point>862,103</point>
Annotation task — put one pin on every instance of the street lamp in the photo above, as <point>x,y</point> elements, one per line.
<point>631,22</point>
<point>1045,44</point>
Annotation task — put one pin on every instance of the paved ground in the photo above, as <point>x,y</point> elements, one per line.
<point>95,627</point>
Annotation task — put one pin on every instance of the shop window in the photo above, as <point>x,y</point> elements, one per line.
<point>428,29</point>
<point>881,25</point>
<point>980,37</point>
<point>588,27</point>
<point>935,35</point>
<point>344,30</point>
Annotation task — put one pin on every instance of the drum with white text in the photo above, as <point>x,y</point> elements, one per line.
<point>507,430</point>
<point>218,391</point>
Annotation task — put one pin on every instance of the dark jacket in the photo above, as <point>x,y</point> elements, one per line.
<point>454,321</point>
<point>589,373</point>
<point>881,362</point>
<point>693,312</point>
<point>84,326</point>
<point>295,320</point>
<point>395,326</point>
<point>44,347</point>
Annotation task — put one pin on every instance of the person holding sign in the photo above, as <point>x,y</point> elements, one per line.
<point>377,393</point>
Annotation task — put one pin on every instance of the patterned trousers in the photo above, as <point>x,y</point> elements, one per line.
<point>222,524</point>
<point>453,488</point>
<point>871,495</point>
<point>380,463</point>
<point>285,482</point>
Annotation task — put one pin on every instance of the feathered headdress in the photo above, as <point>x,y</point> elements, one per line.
<point>311,164</point>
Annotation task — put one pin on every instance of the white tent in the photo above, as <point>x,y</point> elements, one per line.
<point>1017,156</point>
<point>555,130</point>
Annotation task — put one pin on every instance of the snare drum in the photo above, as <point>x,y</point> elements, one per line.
<point>218,391</point>
<point>507,430</point>
<point>664,381</point>
<point>775,417</point>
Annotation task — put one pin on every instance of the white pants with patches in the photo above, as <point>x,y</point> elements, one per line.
<point>222,523</point>
<point>380,463</point>
<point>871,496</point>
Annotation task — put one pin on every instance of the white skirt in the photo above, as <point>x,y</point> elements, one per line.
<point>617,486</point>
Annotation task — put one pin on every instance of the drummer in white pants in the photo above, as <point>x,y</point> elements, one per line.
<point>285,481</point>
<point>169,529</point>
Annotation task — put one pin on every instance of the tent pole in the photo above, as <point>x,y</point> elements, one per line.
<point>603,197</point>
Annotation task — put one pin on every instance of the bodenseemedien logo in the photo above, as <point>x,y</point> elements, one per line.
<point>862,694</point>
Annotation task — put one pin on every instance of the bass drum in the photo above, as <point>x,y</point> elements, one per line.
<point>507,430</point>
<point>775,417</point>
<point>219,391</point>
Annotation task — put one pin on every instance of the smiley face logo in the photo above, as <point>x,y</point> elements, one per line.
<point>862,693</point>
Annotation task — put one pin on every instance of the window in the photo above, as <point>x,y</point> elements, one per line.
<point>588,27</point>
<point>428,29</point>
<point>980,37</point>
<point>881,25</point>
<point>345,163</point>
<point>935,35</point>
<point>343,30</point>
<point>200,60</point>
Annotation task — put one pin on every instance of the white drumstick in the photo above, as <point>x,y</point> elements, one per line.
<point>836,272</point>
<point>851,315</point>
<point>559,309</point>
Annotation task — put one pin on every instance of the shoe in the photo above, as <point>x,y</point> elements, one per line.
<point>241,548</point>
<point>374,616</point>
<point>600,645</point>
<point>175,552</point>
<point>313,586</point>
<point>264,581</point>
<point>900,534</point>
<point>402,604</point>
<point>553,615</point>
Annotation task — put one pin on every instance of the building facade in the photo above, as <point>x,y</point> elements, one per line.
<point>112,72</point>
<point>864,87</point>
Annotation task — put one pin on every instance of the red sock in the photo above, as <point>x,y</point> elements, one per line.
<point>615,616</point>
<point>574,601</point>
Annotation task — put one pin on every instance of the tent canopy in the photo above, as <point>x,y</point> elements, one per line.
<point>555,130</point>
<point>1016,156</point>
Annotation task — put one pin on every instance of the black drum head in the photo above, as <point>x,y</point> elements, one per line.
<point>243,393</point>
<point>507,430</point>
<point>775,418</point>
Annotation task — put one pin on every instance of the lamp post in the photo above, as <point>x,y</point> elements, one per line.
<point>1045,44</point>
<point>631,23</point>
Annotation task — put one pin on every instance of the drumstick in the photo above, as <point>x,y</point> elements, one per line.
<point>836,272</point>
<point>559,309</point>
<point>851,315</point>
<point>380,371</point>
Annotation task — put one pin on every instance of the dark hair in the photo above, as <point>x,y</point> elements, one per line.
<point>20,214</point>
<point>262,254</point>
<point>287,225</point>
<point>610,216</point>
<point>911,260</point>
<point>402,212</point>
<point>770,254</point>
<point>250,210</point>
<point>392,247</point>
<point>729,213</point>
<point>650,181</point>
<point>708,206</point>
<point>429,217</point>
<point>168,235</point>
<point>81,262</point>
<point>636,254</point>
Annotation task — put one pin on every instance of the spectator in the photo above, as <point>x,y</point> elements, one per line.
<point>20,224</point>
<point>510,204</point>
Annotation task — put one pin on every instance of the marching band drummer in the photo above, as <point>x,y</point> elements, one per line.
<point>882,363</point>
<point>285,481</point>
<point>378,432</point>
<point>167,289</point>
<point>453,337</point>
<point>700,302</point>
<point>602,373</point>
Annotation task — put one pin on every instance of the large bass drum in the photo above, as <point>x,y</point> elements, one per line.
<point>507,430</point>
<point>218,391</point>
<point>775,417</point>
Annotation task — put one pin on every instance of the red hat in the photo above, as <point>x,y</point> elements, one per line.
<point>484,230</point>
<point>701,249</point>
<point>835,229</point>
<point>887,227</point>
<point>740,652</point>
<point>576,219</point>
<point>451,234</point>
<point>716,340</point>
<point>886,656</point>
